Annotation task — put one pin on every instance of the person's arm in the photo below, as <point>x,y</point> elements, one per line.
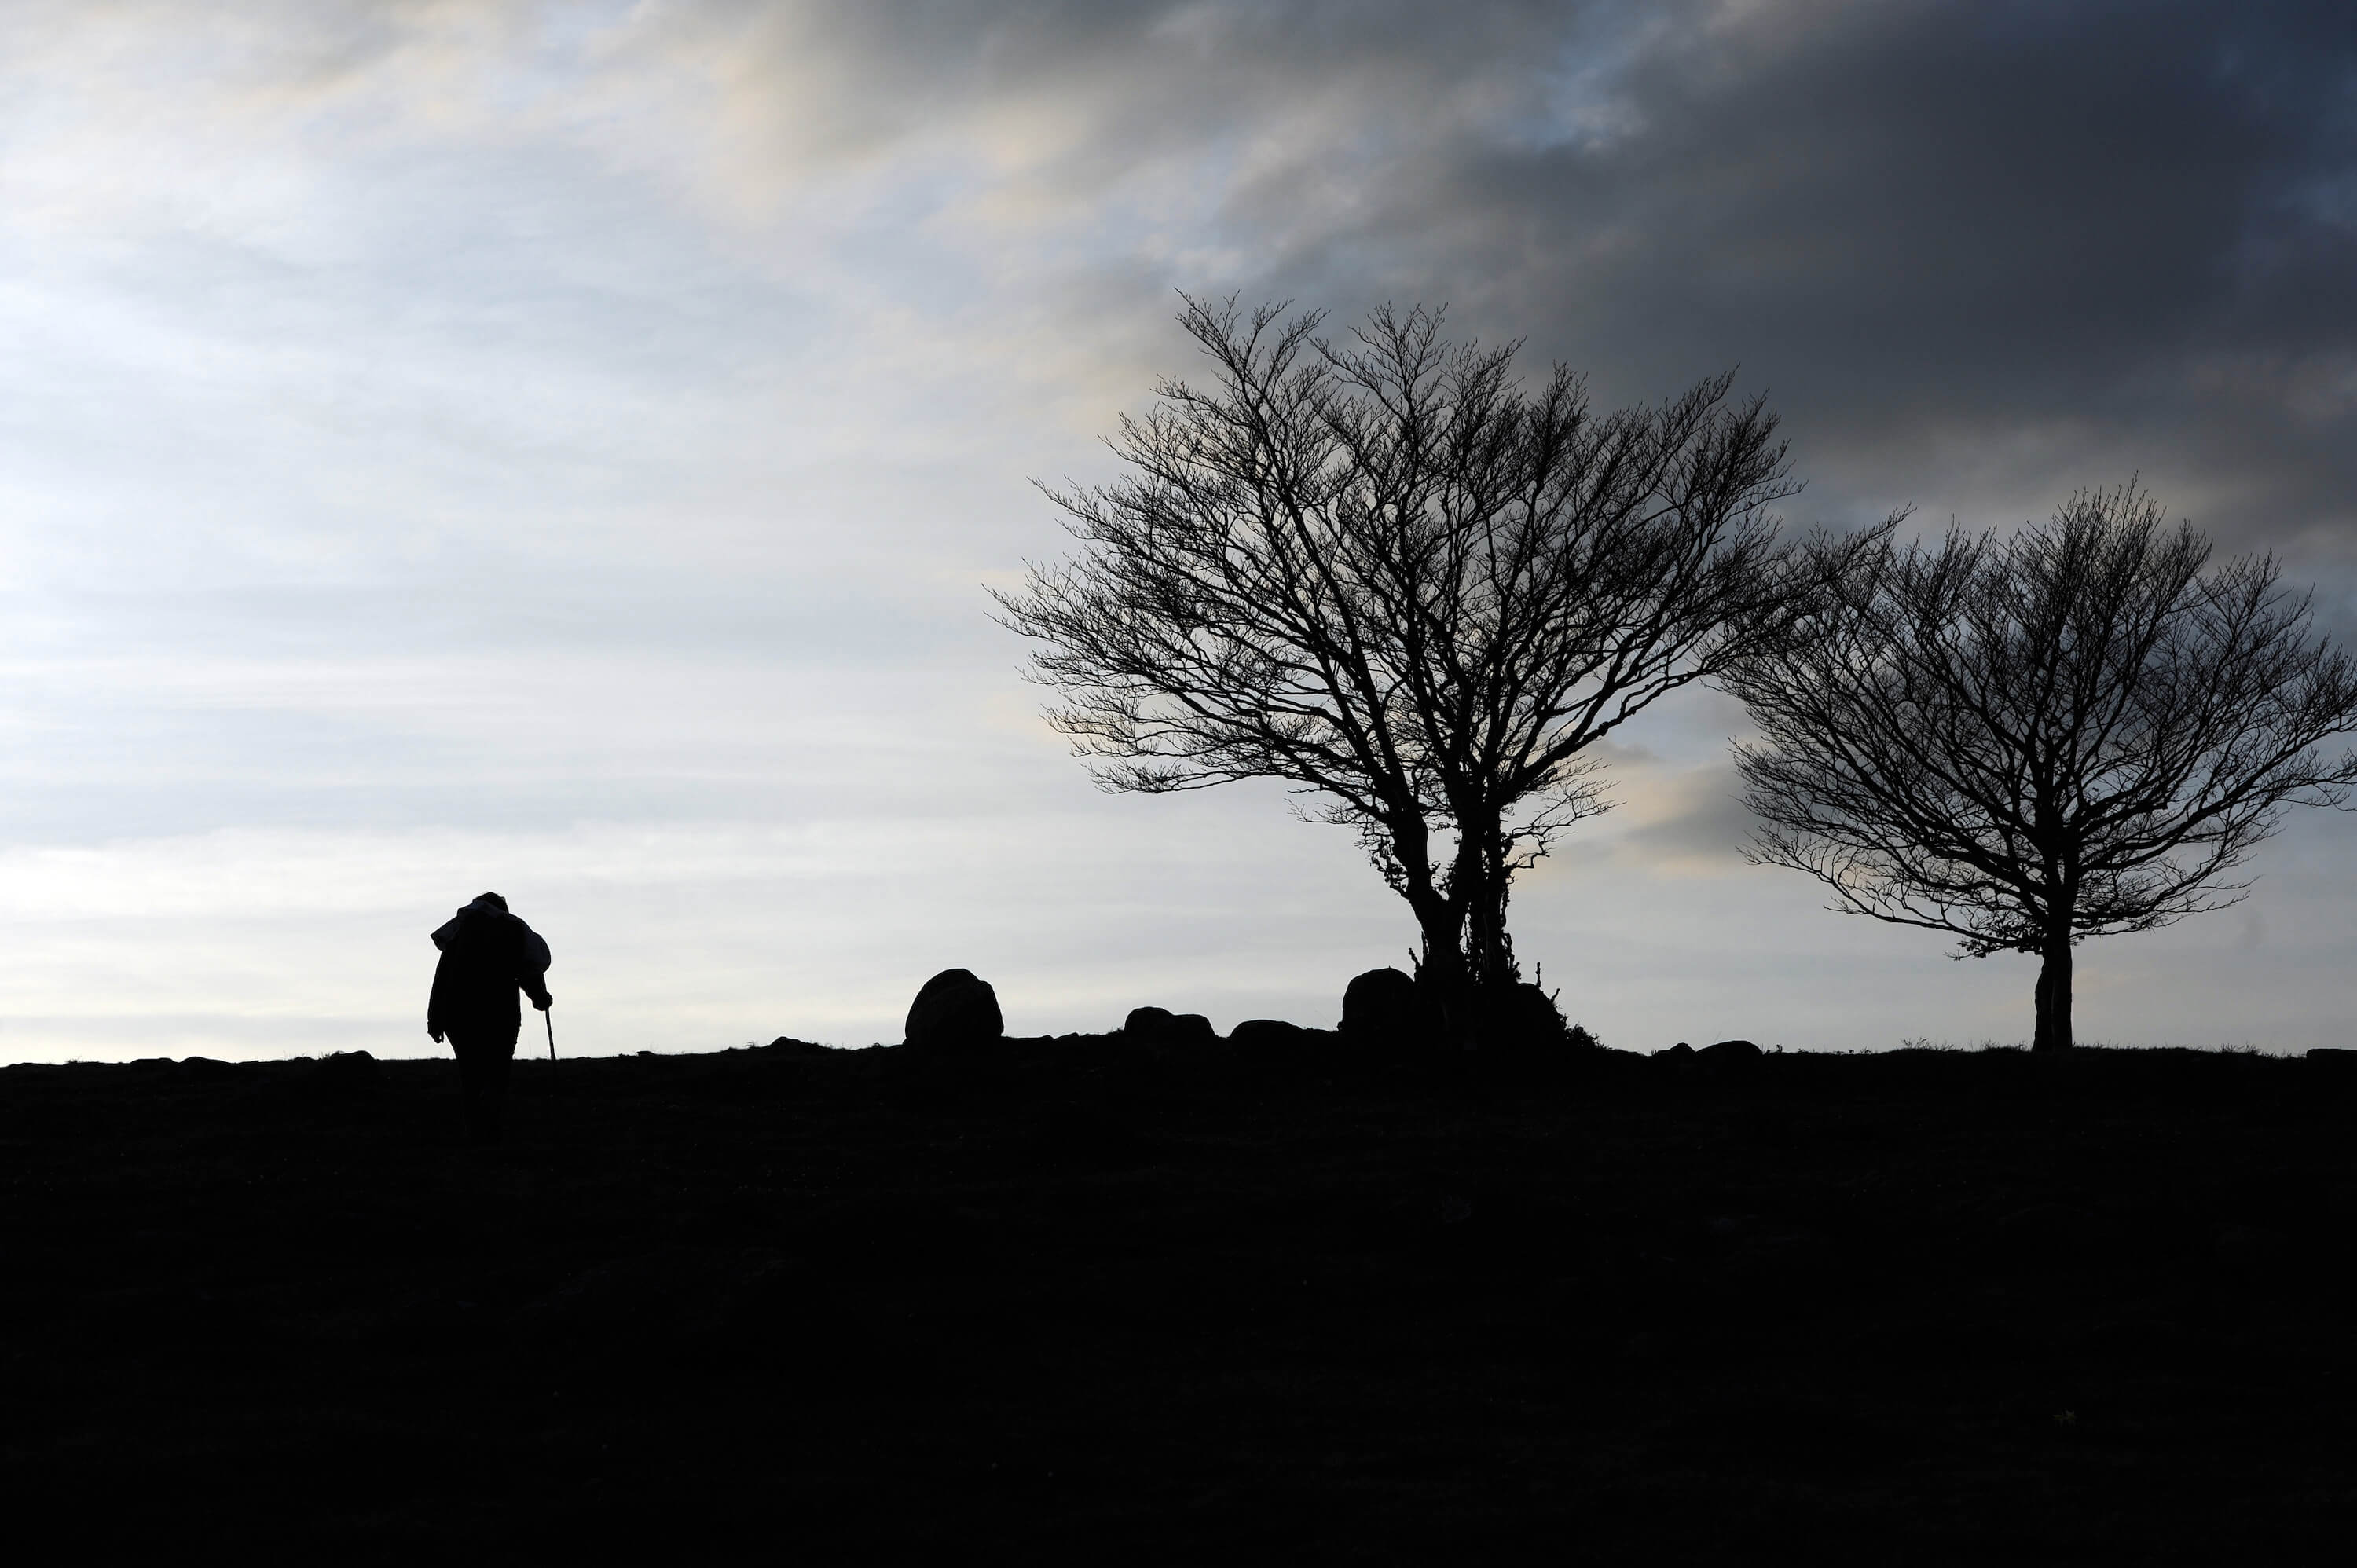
<point>531,965</point>
<point>437,997</point>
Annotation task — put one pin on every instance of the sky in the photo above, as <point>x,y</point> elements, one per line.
<point>562,448</point>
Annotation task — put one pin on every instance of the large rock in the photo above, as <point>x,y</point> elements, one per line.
<point>1147,1022</point>
<point>953,1008</point>
<point>1384,1007</point>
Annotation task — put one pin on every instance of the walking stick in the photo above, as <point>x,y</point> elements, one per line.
<point>551,1033</point>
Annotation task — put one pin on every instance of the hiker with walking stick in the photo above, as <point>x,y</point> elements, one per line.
<point>488,954</point>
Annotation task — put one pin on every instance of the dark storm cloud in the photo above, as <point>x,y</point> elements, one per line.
<point>1938,225</point>
<point>1983,252</point>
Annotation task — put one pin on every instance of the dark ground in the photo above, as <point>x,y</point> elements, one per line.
<point>1157,1304</point>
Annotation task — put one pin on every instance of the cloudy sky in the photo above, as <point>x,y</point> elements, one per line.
<point>560,449</point>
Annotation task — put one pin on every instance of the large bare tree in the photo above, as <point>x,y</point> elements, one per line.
<point>2075,731</point>
<point>1385,572</point>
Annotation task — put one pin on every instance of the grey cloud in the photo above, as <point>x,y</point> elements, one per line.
<point>1693,818</point>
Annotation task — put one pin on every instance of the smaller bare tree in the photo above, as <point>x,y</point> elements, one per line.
<point>2074,732</point>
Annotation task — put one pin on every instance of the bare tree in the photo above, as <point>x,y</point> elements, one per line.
<point>2073,732</point>
<point>1382,572</point>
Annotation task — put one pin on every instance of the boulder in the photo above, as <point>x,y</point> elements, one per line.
<point>348,1069</point>
<point>1730,1055</point>
<point>1190,1029</point>
<point>1165,1027</point>
<point>1263,1034</point>
<point>954,1008</point>
<point>1384,1007</point>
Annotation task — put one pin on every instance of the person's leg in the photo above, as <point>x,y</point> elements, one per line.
<point>484,1055</point>
<point>494,1055</point>
<point>482,1081</point>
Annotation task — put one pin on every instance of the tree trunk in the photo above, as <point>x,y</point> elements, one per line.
<point>1440,921</point>
<point>2055,992</point>
<point>1443,978</point>
<point>1478,884</point>
<point>1483,884</point>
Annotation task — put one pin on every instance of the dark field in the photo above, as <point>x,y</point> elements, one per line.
<point>1087,1297</point>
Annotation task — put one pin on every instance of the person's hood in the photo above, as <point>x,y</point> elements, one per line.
<point>448,932</point>
<point>535,945</point>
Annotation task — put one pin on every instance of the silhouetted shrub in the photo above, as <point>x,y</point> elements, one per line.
<point>1521,1017</point>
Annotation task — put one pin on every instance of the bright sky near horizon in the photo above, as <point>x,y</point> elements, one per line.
<point>559,448</point>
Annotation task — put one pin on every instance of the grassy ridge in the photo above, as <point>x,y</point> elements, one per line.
<point>1079,1292</point>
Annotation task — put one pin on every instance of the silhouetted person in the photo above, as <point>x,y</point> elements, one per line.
<point>488,955</point>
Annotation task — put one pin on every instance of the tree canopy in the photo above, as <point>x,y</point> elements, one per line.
<point>1384,571</point>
